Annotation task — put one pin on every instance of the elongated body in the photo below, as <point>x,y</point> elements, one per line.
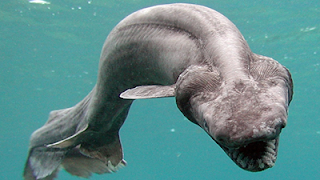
<point>188,51</point>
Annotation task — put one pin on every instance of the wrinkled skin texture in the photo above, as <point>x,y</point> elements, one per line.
<point>244,117</point>
<point>189,52</point>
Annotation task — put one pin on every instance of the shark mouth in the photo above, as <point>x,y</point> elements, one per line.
<point>255,156</point>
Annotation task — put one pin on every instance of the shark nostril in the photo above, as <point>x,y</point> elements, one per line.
<point>221,140</point>
<point>280,126</point>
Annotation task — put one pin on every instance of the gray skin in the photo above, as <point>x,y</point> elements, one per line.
<point>187,51</point>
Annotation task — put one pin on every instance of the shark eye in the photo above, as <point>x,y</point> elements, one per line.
<point>205,125</point>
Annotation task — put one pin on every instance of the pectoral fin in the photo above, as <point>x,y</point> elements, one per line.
<point>147,92</point>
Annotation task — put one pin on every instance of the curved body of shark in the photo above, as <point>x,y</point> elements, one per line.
<point>187,51</point>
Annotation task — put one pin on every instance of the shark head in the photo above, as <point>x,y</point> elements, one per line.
<point>244,116</point>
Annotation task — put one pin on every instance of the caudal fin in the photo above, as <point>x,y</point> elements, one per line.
<point>66,140</point>
<point>44,162</point>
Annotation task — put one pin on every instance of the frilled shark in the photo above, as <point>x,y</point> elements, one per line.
<point>189,52</point>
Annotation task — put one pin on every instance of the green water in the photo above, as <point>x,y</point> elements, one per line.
<point>49,57</point>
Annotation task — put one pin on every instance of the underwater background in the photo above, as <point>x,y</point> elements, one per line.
<point>49,55</point>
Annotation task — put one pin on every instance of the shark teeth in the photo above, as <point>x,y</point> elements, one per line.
<point>255,156</point>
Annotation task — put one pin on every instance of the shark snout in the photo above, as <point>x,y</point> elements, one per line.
<point>241,134</point>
